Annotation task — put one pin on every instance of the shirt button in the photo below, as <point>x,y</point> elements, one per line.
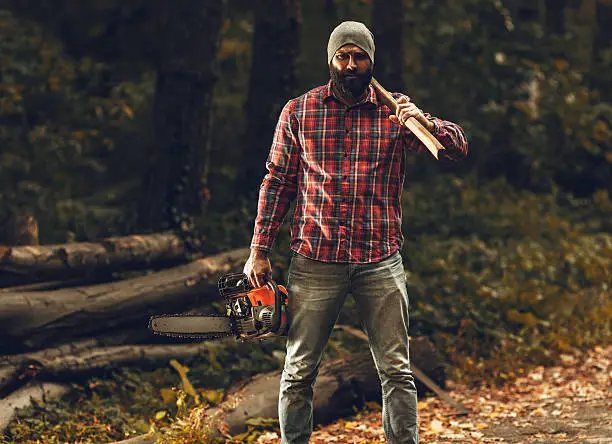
<point>347,130</point>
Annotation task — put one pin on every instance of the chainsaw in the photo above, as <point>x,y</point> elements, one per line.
<point>251,313</point>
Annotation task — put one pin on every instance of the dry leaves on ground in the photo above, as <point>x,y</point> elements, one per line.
<point>571,402</point>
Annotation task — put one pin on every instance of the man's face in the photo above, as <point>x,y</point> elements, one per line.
<point>351,70</point>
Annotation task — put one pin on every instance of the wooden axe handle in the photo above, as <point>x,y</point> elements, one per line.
<point>432,144</point>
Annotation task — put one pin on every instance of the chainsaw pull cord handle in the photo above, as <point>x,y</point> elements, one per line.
<point>276,319</point>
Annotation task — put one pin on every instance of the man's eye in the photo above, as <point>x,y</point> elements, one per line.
<point>341,56</point>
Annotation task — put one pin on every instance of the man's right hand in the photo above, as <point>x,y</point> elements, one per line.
<point>257,268</point>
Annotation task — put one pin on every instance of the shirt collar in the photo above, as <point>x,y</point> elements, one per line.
<point>327,93</point>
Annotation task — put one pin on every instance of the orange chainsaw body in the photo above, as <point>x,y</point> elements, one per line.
<point>264,295</point>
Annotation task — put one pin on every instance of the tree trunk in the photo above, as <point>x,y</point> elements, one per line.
<point>188,35</point>
<point>272,81</point>
<point>115,253</point>
<point>38,319</point>
<point>388,18</point>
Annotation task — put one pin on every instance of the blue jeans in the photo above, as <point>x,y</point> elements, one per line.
<point>317,291</point>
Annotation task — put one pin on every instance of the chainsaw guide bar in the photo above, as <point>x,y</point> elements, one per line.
<point>208,327</point>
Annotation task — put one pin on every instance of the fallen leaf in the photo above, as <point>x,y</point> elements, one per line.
<point>436,426</point>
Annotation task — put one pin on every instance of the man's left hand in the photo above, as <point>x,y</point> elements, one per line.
<point>407,109</point>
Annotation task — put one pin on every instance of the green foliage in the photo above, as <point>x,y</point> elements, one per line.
<point>531,115</point>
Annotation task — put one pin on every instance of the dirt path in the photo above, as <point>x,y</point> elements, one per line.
<point>570,403</point>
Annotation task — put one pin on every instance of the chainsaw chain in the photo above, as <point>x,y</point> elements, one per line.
<point>203,336</point>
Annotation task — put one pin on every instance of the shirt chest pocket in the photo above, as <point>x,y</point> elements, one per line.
<point>377,146</point>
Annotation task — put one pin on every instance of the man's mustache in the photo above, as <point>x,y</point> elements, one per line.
<point>353,74</point>
<point>352,77</point>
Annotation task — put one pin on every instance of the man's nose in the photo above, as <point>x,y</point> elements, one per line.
<point>351,63</point>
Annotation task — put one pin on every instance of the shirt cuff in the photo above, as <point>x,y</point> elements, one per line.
<point>436,126</point>
<point>262,243</point>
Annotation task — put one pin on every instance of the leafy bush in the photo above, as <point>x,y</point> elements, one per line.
<point>490,266</point>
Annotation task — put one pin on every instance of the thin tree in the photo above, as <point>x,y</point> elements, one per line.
<point>272,82</point>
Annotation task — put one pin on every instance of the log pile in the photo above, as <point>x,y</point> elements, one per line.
<point>69,317</point>
<point>24,264</point>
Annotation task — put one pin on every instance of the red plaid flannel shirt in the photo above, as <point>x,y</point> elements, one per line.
<point>346,167</point>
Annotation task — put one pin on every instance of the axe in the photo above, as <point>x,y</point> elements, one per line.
<point>412,124</point>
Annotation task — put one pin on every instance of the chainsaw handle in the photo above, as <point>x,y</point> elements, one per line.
<point>276,320</point>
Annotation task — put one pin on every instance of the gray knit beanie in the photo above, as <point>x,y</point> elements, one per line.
<point>355,33</point>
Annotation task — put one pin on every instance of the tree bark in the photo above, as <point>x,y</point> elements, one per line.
<point>188,36</point>
<point>23,398</point>
<point>272,81</point>
<point>388,19</point>
<point>39,319</point>
<point>115,253</point>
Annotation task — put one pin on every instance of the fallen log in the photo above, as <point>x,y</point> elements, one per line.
<point>87,356</point>
<point>14,368</point>
<point>118,253</point>
<point>33,320</point>
<point>23,398</point>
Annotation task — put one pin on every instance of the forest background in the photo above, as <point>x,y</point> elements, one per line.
<point>134,116</point>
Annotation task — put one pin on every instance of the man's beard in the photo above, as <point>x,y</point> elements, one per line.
<point>350,87</point>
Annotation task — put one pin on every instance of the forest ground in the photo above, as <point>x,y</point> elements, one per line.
<point>567,403</point>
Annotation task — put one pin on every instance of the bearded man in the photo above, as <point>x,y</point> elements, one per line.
<point>341,152</point>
